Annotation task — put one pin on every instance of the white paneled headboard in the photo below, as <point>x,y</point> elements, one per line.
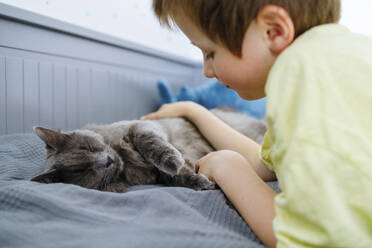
<point>63,76</point>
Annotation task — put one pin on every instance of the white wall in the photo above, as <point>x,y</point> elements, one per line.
<point>357,16</point>
<point>134,21</point>
<point>129,19</point>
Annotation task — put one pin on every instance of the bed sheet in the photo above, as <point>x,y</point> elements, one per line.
<point>62,215</point>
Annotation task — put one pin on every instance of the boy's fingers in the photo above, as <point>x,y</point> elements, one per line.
<point>145,117</point>
<point>151,116</point>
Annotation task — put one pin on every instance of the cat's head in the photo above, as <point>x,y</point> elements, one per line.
<point>82,158</point>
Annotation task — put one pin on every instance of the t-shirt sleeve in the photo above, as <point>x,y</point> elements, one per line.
<point>265,151</point>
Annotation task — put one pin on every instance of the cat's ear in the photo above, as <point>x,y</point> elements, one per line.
<point>51,176</point>
<point>54,139</point>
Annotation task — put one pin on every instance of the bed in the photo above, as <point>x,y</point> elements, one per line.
<point>61,76</point>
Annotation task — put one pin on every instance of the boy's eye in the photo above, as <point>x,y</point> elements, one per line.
<point>209,55</point>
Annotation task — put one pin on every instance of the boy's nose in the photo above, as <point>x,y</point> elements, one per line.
<point>208,70</point>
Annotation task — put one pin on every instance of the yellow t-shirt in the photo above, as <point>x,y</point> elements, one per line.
<point>319,139</point>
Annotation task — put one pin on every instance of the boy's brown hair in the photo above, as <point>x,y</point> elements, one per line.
<point>226,21</point>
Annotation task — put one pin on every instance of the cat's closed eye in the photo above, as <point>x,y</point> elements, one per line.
<point>79,169</point>
<point>86,148</point>
<point>76,168</point>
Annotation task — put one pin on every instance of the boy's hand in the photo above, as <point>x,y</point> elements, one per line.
<point>216,162</point>
<point>172,110</point>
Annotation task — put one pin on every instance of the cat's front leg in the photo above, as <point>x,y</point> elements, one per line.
<point>151,142</point>
<point>188,178</point>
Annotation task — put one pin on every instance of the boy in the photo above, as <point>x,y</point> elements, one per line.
<point>317,77</point>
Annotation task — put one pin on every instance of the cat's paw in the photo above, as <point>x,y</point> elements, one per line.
<point>186,177</point>
<point>125,144</point>
<point>203,183</point>
<point>171,164</point>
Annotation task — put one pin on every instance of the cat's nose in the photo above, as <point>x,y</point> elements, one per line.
<point>109,161</point>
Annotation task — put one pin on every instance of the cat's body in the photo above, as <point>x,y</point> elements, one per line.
<point>136,152</point>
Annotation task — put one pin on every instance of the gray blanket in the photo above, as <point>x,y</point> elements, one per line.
<point>61,215</point>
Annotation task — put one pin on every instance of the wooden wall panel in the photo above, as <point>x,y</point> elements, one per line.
<point>46,95</point>
<point>31,95</point>
<point>14,94</point>
<point>3,127</point>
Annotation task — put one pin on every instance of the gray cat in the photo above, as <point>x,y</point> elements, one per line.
<point>122,154</point>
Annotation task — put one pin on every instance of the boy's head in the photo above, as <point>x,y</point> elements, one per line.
<point>244,36</point>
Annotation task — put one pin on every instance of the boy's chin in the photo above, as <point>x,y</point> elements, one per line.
<point>250,96</point>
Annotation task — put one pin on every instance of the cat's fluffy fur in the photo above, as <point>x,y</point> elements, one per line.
<point>116,156</point>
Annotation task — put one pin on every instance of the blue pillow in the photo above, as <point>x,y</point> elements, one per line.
<point>211,95</point>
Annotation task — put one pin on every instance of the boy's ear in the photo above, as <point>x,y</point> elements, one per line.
<point>54,139</point>
<point>278,27</point>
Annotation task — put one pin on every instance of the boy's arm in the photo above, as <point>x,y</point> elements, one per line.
<point>224,137</point>
<point>217,132</point>
<point>253,199</point>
